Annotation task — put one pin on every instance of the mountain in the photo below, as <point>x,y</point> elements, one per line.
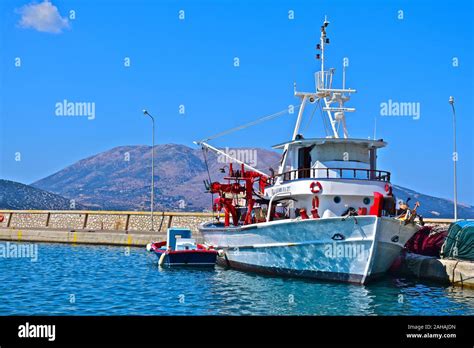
<point>14,195</point>
<point>433,207</point>
<point>120,179</point>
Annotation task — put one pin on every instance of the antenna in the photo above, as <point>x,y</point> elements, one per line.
<point>323,41</point>
<point>343,75</point>
<point>375,126</point>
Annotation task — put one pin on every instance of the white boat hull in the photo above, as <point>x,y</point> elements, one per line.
<point>354,249</point>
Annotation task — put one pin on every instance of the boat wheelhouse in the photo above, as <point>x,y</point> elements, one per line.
<point>342,171</point>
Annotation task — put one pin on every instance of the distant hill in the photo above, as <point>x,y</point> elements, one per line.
<point>120,179</point>
<point>14,195</point>
<point>433,207</point>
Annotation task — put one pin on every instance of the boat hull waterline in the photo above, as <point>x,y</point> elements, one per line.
<point>354,249</point>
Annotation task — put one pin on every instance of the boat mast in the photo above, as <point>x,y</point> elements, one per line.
<point>329,95</point>
<point>322,43</point>
<point>326,93</point>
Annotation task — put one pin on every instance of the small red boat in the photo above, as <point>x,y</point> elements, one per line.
<point>181,250</point>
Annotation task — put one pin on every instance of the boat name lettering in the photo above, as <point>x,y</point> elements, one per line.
<point>280,189</point>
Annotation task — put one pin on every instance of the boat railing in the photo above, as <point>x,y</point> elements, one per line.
<point>323,79</point>
<point>332,173</point>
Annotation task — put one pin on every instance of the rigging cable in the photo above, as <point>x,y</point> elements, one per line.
<point>325,121</point>
<point>250,124</point>
<point>311,116</point>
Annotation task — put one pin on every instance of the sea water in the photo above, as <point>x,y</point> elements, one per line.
<point>103,280</point>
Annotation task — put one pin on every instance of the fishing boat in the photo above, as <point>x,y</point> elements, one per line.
<point>180,249</point>
<point>328,213</point>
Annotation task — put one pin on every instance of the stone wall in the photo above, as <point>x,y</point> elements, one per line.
<point>26,220</point>
<point>101,220</point>
<point>191,222</point>
<point>113,220</point>
<point>142,222</point>
<point>65,221</point>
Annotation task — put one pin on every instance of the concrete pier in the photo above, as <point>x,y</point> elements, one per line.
<point>100,220</point>
<point>444,271</point>
<point>80,237</point>
<point>94,227</point>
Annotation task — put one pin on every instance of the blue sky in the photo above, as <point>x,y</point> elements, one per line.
<point>190,62</point>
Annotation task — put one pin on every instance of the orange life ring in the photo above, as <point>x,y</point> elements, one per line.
<point>316,187</point>
<point>2,218</point>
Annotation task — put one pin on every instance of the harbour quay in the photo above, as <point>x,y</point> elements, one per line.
<point>128,228</point>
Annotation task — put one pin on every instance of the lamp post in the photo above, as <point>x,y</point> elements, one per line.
<point>455,159</point>
<point>152,166</point>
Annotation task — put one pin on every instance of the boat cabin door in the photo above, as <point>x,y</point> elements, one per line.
<point>304,162</point>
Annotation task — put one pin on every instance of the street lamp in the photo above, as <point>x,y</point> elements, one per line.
<point>455,159</point>
<point>152,166</point>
